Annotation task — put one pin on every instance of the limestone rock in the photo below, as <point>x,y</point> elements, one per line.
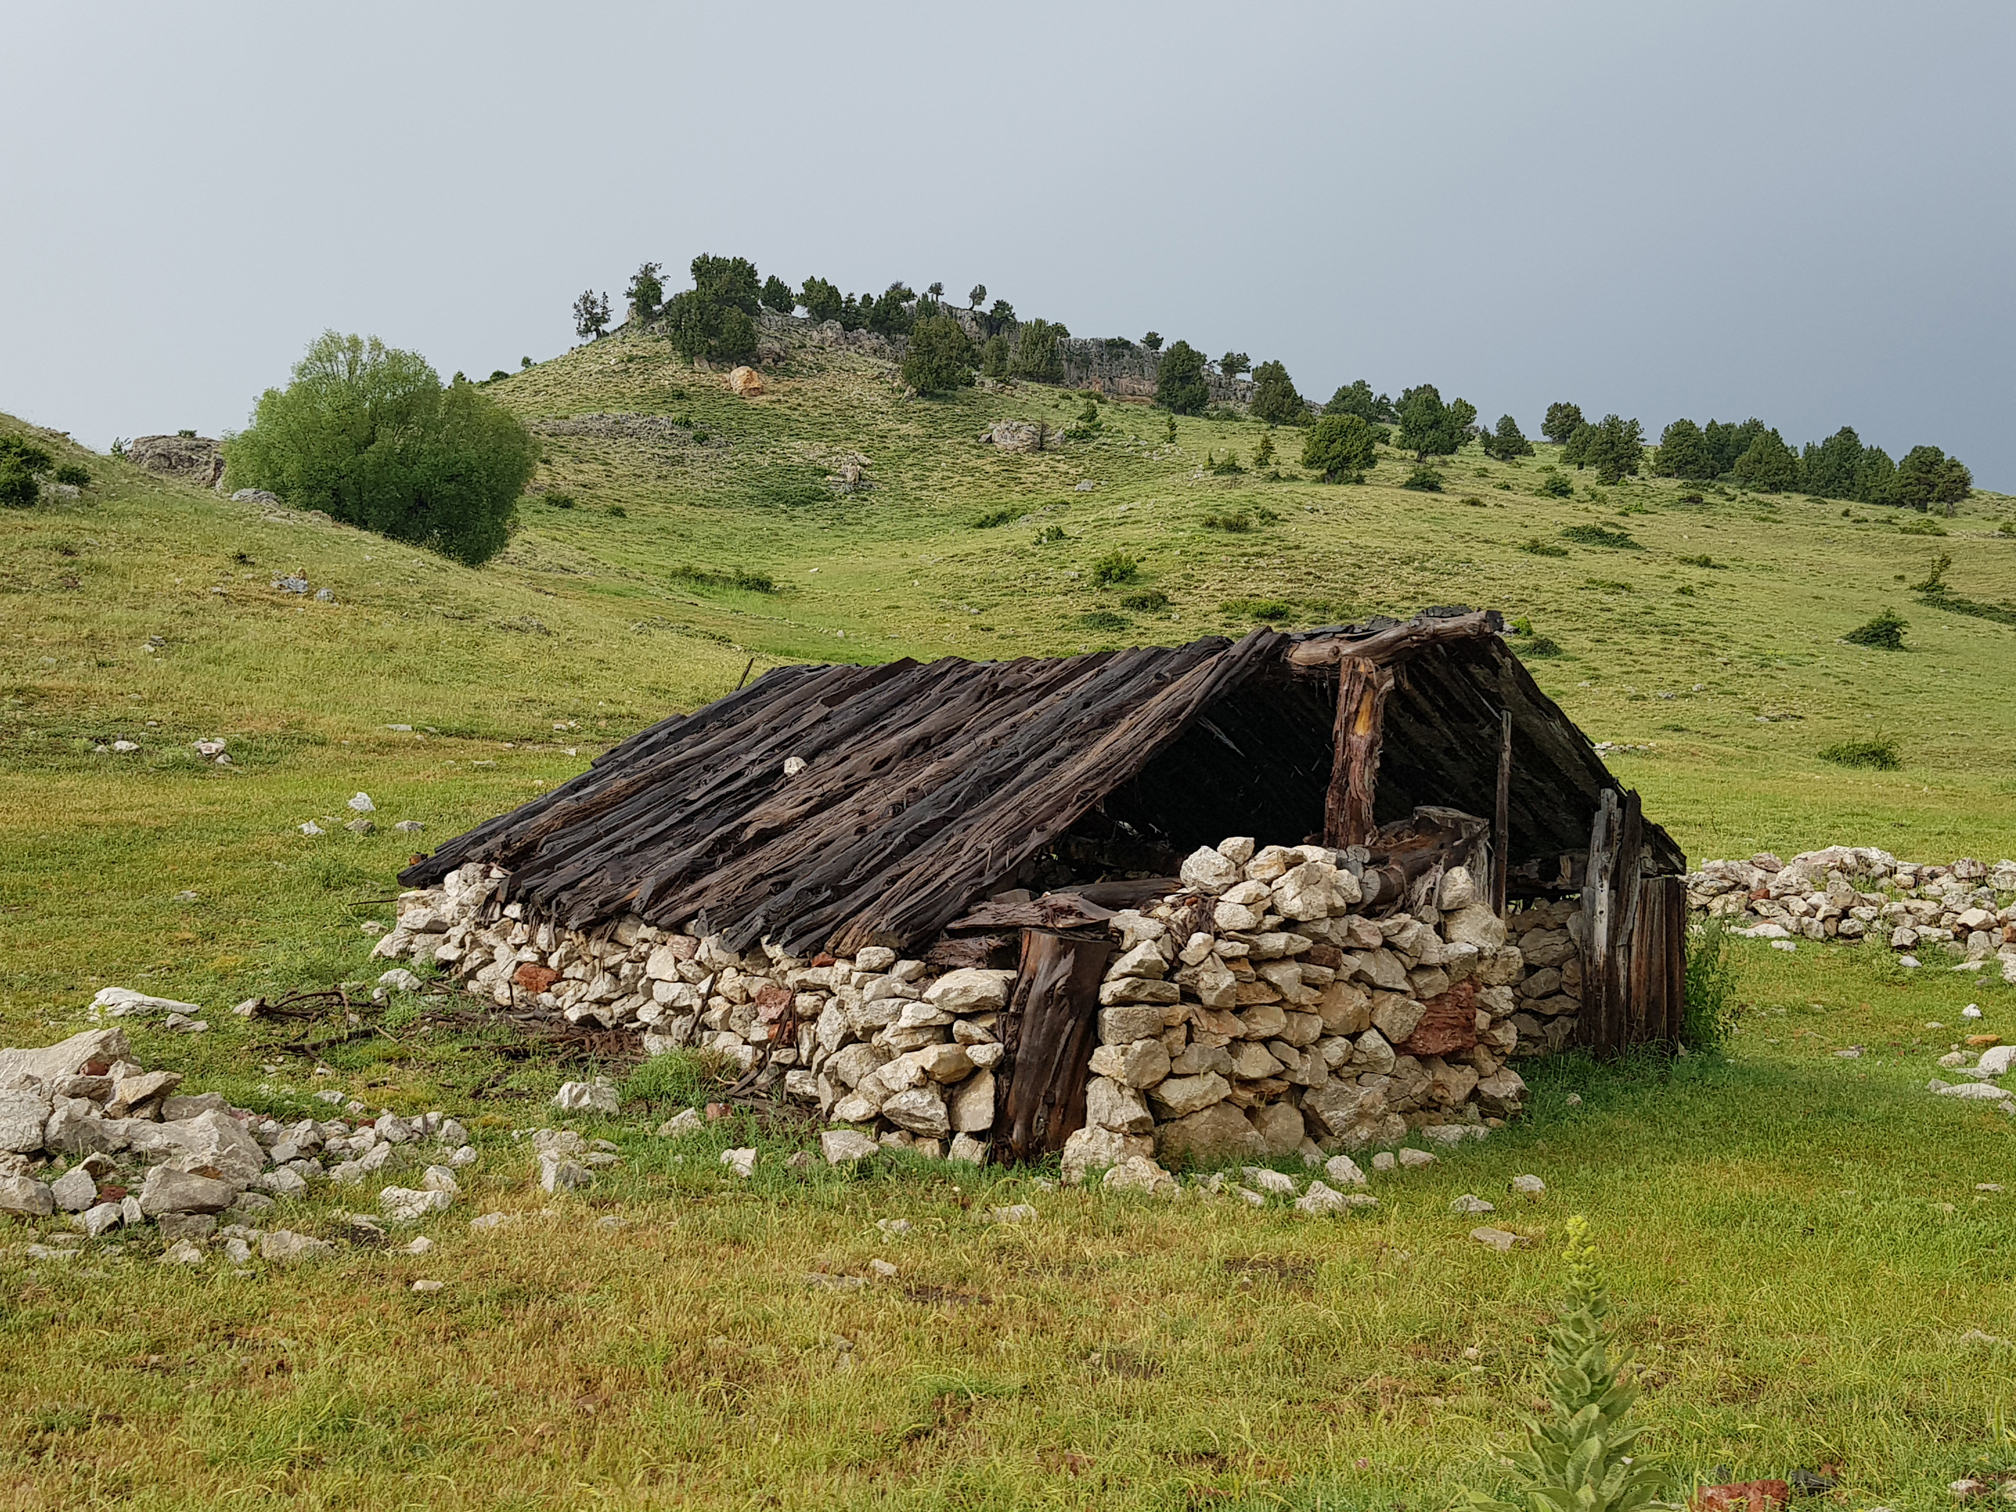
<point>1140,1063</point>
<point>1473,924</point>
<point>1209,871</point>
<point>1138,1173</point>
<point>740,1162</point>
<point>920,1110</point>
<point>284,1247</point>
<point>1214,1136</point>
<point>681,1124</point>
<point>1115,1105</point>
<point>75,1191</point>
<point>845,1146</point>
<point>967,1148</point>
<point>69,1057</point>
<point>587,1097</point>
<point>1182,1096</point>
<point>970,989</point>
<point>27,1197</point>
<point>24,1116</point>
<point>970,1107</point>
<point>745,381</point>
<point>1280,1127</point>
<point>167,1190</point>
<point>405,1204</point>
<point>1093,1148</point>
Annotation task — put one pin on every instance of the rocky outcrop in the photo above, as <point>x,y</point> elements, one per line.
<point>192,459</point>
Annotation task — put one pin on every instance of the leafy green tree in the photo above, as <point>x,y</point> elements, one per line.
<point>1507,443</point>
<point>1727,442</point>
<point>1767,465</point>
<point>1683,453</point>
<point>591,315</point>
<point>893,312</point>
<point>1036,355</point>
<point>1927,476</point>
<point>646,294</point>
<point>936,291</point>
<point>994,357</point>
<point>1152,341</point>
<point>728,282</point>
<point>1274,398</point>
<point>939,357</point>
<point>777,295</point>
<point>368,434</point>
<point>1179,380</point>
<point>1615,448</point>
<point>1340,447</point>
<point>1582,1455</point>
<point>1233,364</point>
<point>975,295</point>
<point>1358,399</point>
<point>1430,428</point>
<point>1830,468</point>
<point>1561,421</point>
<point>821,299</point>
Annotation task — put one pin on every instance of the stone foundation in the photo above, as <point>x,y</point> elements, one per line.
<point>1259,1011</point>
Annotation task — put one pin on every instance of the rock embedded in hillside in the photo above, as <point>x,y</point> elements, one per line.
<point>745,381</point>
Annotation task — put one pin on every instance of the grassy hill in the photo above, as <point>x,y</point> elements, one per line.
<point>1797,1237</point>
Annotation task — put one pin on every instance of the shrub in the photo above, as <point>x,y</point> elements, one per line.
<point>1340,446</point>
<point>1104,619</point>
<point>619,511</point>
<point>1878,753</point>
<point>1709,1005</point>
<point>1581,1456</point>
<point>1430,428</point>
<point>75,476</point>
<point>1885,632</point>
<point>1036,355</point>
<point>646,293</point>
<point>1145,600</point>
<point>25,455</point>
<point>821,299</point>
<point>1923,527</point>
<point>1704,560</point>
<point>591,314</point>
<point>369,435</point>
<point>559,499</point>
<point>1474,502</point>
<point>1601,535</point>
<point>1534,546</point>
<point>1224,466</point>
<point>1531,642</point>
<point>994,517</point>
<point>1554,485</point>
<point>735,577</point>
<point>1049,534</point>
<point>1238,522</point>
<point>994,357</point>
<point>1115,567</point>
<point>1358,399</point>
<point>1423,479</point>
<point>18,488</point>
<point>939,357</point>
<point>1263,455</point>
<point>1179,381</point>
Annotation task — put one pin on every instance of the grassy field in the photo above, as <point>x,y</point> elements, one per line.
<point>1796,1239</point>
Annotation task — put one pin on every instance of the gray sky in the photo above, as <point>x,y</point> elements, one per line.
<point>1798,211</point>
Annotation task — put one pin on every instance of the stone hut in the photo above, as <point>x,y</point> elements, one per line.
<point>993,906</point>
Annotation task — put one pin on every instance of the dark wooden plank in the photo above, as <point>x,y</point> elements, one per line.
<point>1050,1029</point>
<point>1501,823</point>
<point>1362,687</point>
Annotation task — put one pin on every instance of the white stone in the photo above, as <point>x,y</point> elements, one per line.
<point>1472,1204</point>
<point>182,1252</point>
<point>1137,1173</point>
<point>404,1204</point>
<point>968,1148</point>
<point>1501,1240</point>
<point>1093,1148</point>
<point>1414,1160</point>
<point>971,989</point>
<point>283,1247</point>
<point>587,1097</point>
<point>439,1178</point>
<point>921,1111</point>
<point>25,1196</point>
<point>361,803</point>
<point>1531,1186</point>
<point>1270,1181</point>
<point>1209,871</point>
<point>680,1125</point>
<point>1323,1199</point>
<point>741,1162</point>
<point>1019,1212</point>
<point>1343,1170</point>
<point>845,1146</point>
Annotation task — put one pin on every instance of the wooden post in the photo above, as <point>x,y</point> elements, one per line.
<point>1362,687</point>
<point>1594,1027</point>
<point>1501,823</point>
<point>1050,1029</point>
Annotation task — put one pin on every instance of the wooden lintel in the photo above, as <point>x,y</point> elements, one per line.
<point>1395,644</point>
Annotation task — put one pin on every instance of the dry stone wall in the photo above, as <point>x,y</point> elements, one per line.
<point>1847,894</point>
<point>1258,1011</point>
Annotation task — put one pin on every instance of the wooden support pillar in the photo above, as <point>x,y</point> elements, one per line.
<point>1501,822</point>
<point>1050,1029</point>
<point>1362,687</point>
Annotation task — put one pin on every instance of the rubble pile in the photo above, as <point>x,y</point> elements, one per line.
<point>85,1130</point>
<point>1849,893</point>
<point>1264,1007</point>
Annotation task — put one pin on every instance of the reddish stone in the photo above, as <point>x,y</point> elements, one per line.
<point>1324,955</point>
<point>772,1002</point>
<point>535,978</point>
<point>1741,1496</point>
<point>111,1191</point>
<point>683,947</point>
<point>96,1067</point>
<point>1450,1024</point>
<point>716,1111</point>
<point>824,958</point>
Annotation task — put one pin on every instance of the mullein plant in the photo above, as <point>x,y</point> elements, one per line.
<point>1578,1455</point>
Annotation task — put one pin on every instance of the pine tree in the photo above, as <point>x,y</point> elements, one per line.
<point>591,314</point>
<point>777,295</point>
<point>1507,443</point>
<point>1274,398</point>
<point>1579,1457</point>
<point>1767,465</point>
<point>1683,453</point>
<point>939,357</point>
<point>1179,380</point>
<point>1561,422</point>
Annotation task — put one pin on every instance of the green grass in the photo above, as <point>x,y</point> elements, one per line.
<point>1777,1220</point>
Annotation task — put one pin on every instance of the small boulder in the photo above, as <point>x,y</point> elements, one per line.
<point>285,1247</point>
<point>845,1146</point>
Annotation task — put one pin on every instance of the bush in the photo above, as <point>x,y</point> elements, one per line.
<point>1704,560</point>
<point>939,357</point>
<point>1507,443</point>
<point>734,577</point>
<point>821,299</point>
<point>1358,399</point>
<point>1263,455</point>
<point>994,357</point>
<point>994,517</point>
<point>1225,466</point>
<point>1050,534</point>
<point>1884,633</point>
<point>1423,479</point>
<point>1531,642</point>
<point>1878,753</point>
<point>1115,567</point>
<point>559,499</point>
<point>1534,546</point>
<point>1267,611</point>
<point>369,435</point>
<point>1554,485</point>
<point>1601,535</point>
<point>1145,600</point>
<point>1430,428</point>
<point>18,488</point>
<point>777,295</point>
<point>1179,380</point>
<point>75,476</point>
<point>1238,522</point>
<point>1036,356</point>
<point>1709,1010</point>
<point>1104,619</point>
<point>1340,446</point>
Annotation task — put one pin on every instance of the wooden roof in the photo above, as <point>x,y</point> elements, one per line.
<point>925,786</point>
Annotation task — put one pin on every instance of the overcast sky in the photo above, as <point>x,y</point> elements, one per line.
<point>1798,211</point>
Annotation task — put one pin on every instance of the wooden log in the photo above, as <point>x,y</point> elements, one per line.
<point>1362,687</point>
<point>1593,1026</point>
<point>1392,645</point>
<point>1051,911</point>
<point>1501,823</point>
<point>1050,1028</point>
